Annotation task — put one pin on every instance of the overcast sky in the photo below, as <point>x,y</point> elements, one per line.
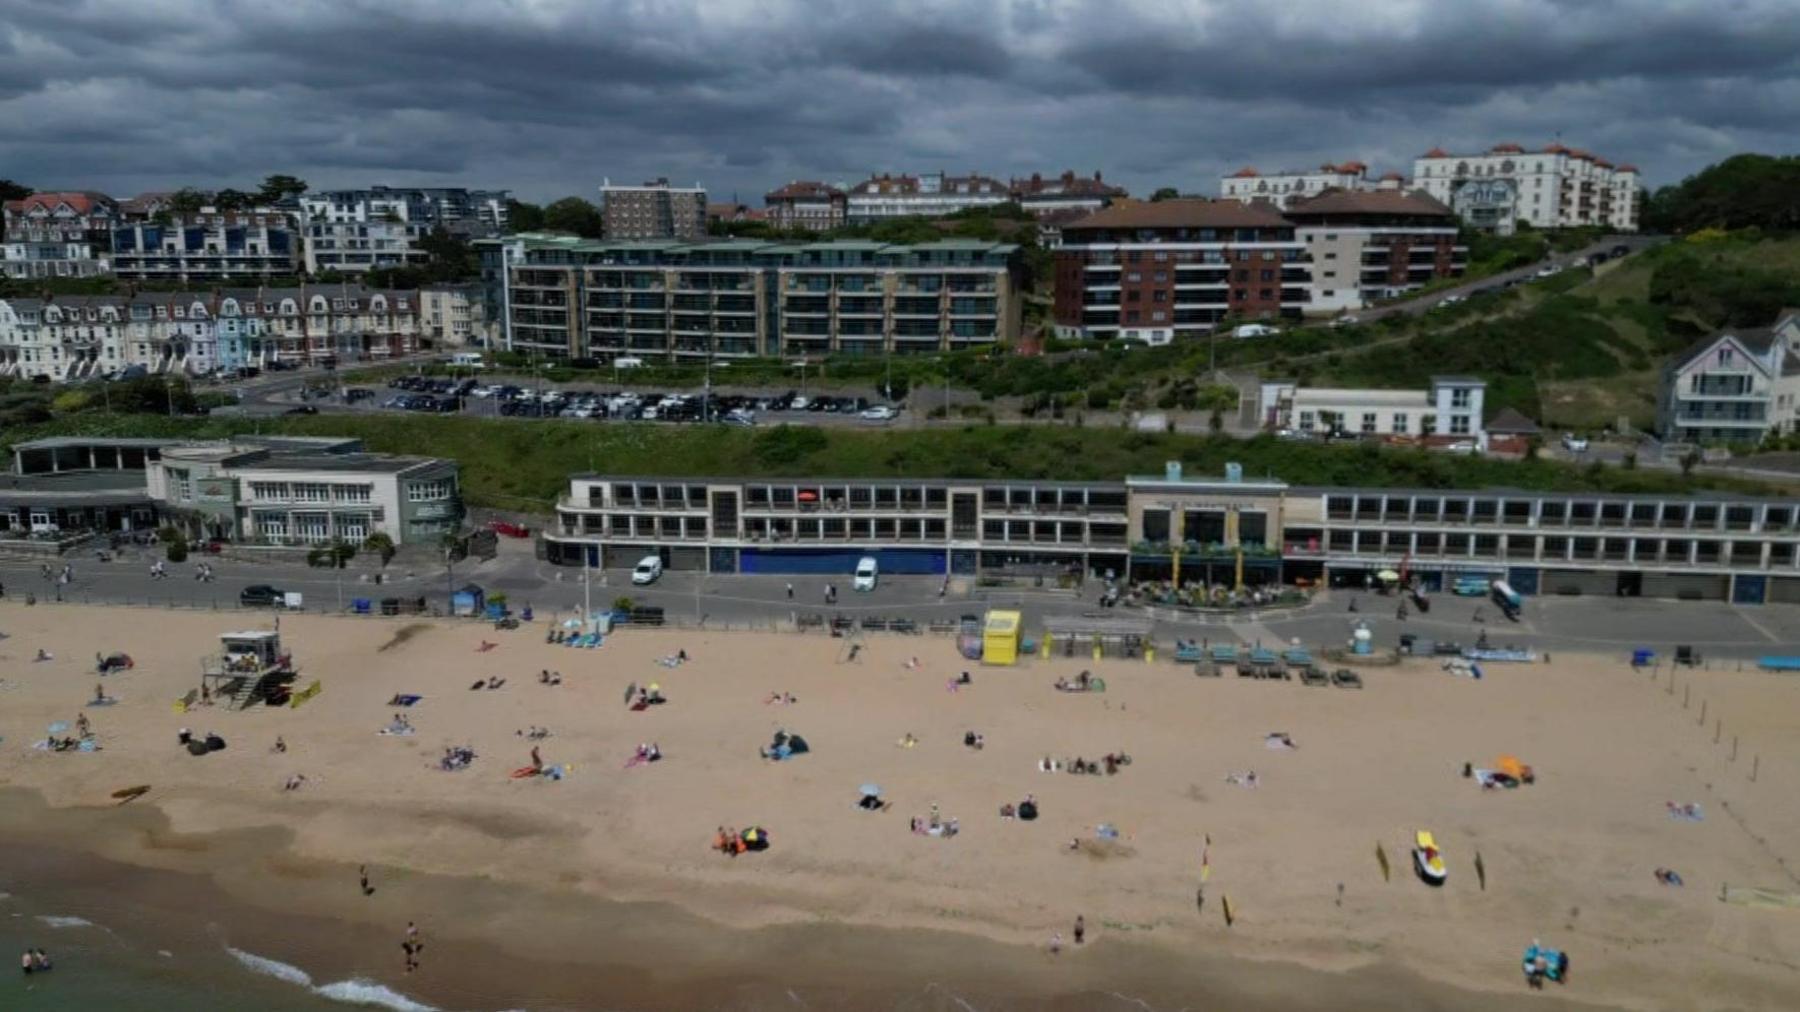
<point>547,97</point>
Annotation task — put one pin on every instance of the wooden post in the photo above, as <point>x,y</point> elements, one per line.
<point>1734,744</point>
<point>1703,713</point>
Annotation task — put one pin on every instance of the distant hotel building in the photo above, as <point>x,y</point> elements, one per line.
<point>1065,196</point>
<point>931,195</point>
<point>573,298</point>
<point>654,210</point>
<point>1282,189</point>
<point>1557,187</point>
<point>212,245</point>
<point>354,231</point>
<point>1164,270</point>
<point>72,216</point>
<point>82,337</point>
<point>1374,244</point>
<point>806,204</point>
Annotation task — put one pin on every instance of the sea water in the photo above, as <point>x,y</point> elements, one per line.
<point>100,967</point>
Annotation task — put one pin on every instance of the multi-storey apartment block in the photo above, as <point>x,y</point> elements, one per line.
<point>212,245</point>
<point>352,231</point>
<point>1557,187</point>
<point>77,337</point>
<point>79,216</point>
<point>806,204</point>
<point>654,210</point>
<point>26,259</point>
<point>1449,412</point>
<point>1282,189</point>
<point>1369,245</point>
<point>1712,546</point>
<point>1739,386</point>
<point>933,195</point>
<point>455,316</point>
<point>568,297</point>
<point>1163,270</point>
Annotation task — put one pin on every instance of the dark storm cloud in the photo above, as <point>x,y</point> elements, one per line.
<point>549,96</point>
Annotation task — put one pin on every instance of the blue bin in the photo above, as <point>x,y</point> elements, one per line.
<point>361,606</point>
<point>1642,658</point>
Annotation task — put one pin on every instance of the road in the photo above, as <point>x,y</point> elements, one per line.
<point>1424,304</point>
<point>1600,624</point>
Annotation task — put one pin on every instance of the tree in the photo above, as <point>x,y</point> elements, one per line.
<point>573,214</point>
<point>523,217</point>
<point>276,189</point>
<point>1165,193</point>
<point>10,190</point>
<point>382,545</point>
<point>232,200</point>
<point>452,258</point>
<point>1743,191</point>
<point>186,201</point>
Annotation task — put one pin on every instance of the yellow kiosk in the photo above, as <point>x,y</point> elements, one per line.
<point>1000,637</point>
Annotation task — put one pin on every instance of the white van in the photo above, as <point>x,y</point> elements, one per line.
<point>468,360</point>
<point>648,569</point>
<point>628,363</point>
<point>867,572</point>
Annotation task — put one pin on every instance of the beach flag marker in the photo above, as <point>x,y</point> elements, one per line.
<point>1381,859</point>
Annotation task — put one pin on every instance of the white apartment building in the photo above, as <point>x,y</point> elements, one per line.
<point>1737,386</point>
<point>1449,412</point>
<point>353,231</point>
<point>1557,187</point>
<point>932,194</point>
<point>254,494</point>
<point>455,316</point>
<point>1284,188</point>
<point>25,260</point>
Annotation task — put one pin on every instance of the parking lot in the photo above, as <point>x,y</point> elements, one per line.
<point>440,395</point>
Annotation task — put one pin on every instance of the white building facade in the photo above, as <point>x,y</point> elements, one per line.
<point>455,316</point>
<point>1735,387</point>
<point>1556,187</point>
<point>26,260</point>
<point>932,194</point>
<point>1284,188</point>
<point>1451,411</point>
<point>354,231</point>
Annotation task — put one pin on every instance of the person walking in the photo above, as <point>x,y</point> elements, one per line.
<point>790,590</point>
<point>1080,928</point>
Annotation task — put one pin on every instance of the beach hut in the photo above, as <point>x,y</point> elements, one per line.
<point>1000,637</point>
<point>469,601</point>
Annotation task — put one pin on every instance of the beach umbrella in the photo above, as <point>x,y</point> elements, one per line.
<point>630,691</point>
<point>871,790</point>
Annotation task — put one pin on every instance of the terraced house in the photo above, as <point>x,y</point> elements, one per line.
<point>572,298</point>
<point>83,337</point>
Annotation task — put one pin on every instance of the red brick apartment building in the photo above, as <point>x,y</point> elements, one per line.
<point>1158,271</point>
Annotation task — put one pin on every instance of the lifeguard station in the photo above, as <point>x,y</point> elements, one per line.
<point>249,666</point>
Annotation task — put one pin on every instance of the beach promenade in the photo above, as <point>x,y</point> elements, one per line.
<point>492,863</point>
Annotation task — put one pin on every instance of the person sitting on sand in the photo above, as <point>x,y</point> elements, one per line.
<point>495,681</point>
<point>1008,812</point>
<point>280,744</point>
<point>537,761</point>
<point>45,655</point>
<point>907,740</point>
<point>965,679</point>
<point>295,782</point>
<point>722,841</point>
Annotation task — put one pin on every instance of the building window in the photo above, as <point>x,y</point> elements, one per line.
<point>350,493</point>
<point>1306,420</point>
<point>1459,398</point>
<point>1459,425</point>
<point>309,491</point>
<point>271,491</point>
<point>430,491</point>
<point>1400,421</point>
<point>1368,421</point>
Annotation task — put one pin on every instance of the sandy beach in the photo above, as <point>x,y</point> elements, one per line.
<point>1569,859</point>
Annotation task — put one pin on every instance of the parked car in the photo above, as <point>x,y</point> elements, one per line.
<point>1254,330</point>
<point>1573,443</point>
<point>1463,448</point>
<point>261,595</point>
<point>1453,299</point>
<point>880,413</point>
<point>509,529</point>
<point>354,394</point>
<point>1345,321</point>
<point>647,570</point>
<point>867,573</point>
<point>301,409</point>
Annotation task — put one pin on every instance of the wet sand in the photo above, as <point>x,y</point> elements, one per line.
<point>601,884</point>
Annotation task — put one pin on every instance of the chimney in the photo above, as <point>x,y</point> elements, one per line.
<point>1096,175</point>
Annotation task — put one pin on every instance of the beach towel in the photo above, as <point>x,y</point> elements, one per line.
<point>1690,812</point>
<point>398,732</point>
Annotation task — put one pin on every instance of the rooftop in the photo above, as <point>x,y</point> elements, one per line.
<point>1187,212</point>
<point>1350,202</point>
<point>1362,397</point>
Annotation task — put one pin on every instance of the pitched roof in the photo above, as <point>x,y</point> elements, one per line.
<point>1186,212</point>
<point>1755,340</point>
<point>1066,185</point>
<point>1370,202</point>
<point>803,189</point>
<point>1508,422</point>
<point>80,201</point>
<point>1247,172</point>
<point>1436,153</point>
